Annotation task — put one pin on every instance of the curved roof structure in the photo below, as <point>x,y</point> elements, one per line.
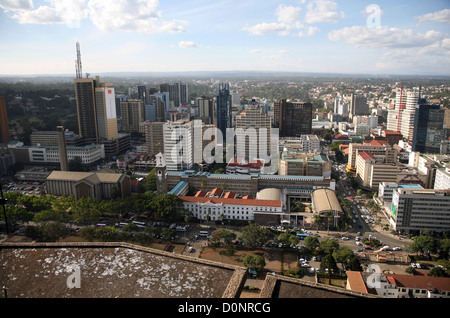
<point>324,200</point>
<point>269,194</point>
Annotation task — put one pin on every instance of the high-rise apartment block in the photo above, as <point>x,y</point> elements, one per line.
<point>293,118</point>
<point>4,128</point>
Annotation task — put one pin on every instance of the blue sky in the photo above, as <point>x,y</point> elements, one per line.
<point>374,37</point>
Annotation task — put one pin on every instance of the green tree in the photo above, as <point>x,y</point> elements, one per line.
<point>106,233</point>
<point>343,255</point>
<point>311,242</point>
<point>317,219</point>
<point>254,261</point>
<point>168,234</point>
<point>354,264</point>
<point>328,246</point>
<point>167,207</point>
<point>328,264</point>
<point>222,236</point>
<point>288,239</point>
<point>88,233</point>
<point>424,244</point>
<point>437,272</point>
<point>51,231</point>
<point>254,235</point>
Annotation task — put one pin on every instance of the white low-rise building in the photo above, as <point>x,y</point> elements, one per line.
<point>50,154</point>
<point>229,208</point>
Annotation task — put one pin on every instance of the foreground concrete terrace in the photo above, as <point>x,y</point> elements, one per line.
<point>109,270</point>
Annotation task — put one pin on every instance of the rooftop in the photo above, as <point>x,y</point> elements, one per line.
<point>268,203</point>
<point>109,270</point>
<point>276,286</point>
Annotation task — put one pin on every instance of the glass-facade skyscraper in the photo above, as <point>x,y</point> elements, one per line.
<point>223,109</point>
<point>428,128</point>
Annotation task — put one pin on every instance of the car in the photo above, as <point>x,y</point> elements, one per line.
<point>345,238</point>
<point>396,248</point>
<point>191,249</point>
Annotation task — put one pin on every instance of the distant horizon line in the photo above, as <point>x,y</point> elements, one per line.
<point>240,72</point>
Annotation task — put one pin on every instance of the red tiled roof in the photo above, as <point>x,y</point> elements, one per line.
<point>229,195</point>
<point>201,193</point>
<point>365,155</point>
<point>268,203</point>
<point>216,191</point>
<point>356,281</point>
<point>378,143</point>
<point>419,281</point>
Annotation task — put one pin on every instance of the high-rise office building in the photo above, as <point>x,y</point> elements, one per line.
<point>178,144</point>
<point>132,114</point>
<point>401,118</point>
<point>223,109</point>
<point>85,100</point>
<point>252,121</point>
<point>293,118</point>
<point>96,109</point>
<point>205,109</point>
<point>428,128</point>
<point>358,105</point>
<point>105,107</point>
<point>4,128</point>
<point>154,137</point>
<point>178,93</point>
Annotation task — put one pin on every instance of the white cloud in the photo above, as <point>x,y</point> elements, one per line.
<point>438,16</point>
<point>188,44</point>
<point>322,11</point>
<point>68,12</point>
<point>127,15</point>
<point>266,28</point>
<point>308,31</point>
<point>384,37</point>
<point>288,24</point>
<point>287,14</point>
<point>16,4</point>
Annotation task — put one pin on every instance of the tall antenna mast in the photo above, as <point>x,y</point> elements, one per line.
<point>78,62</point>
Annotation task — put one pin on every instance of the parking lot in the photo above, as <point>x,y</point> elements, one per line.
<point>24,187</point>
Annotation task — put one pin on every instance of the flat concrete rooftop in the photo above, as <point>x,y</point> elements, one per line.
<point>112,270</point>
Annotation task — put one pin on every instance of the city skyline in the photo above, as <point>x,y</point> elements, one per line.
<point>324,36</point>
